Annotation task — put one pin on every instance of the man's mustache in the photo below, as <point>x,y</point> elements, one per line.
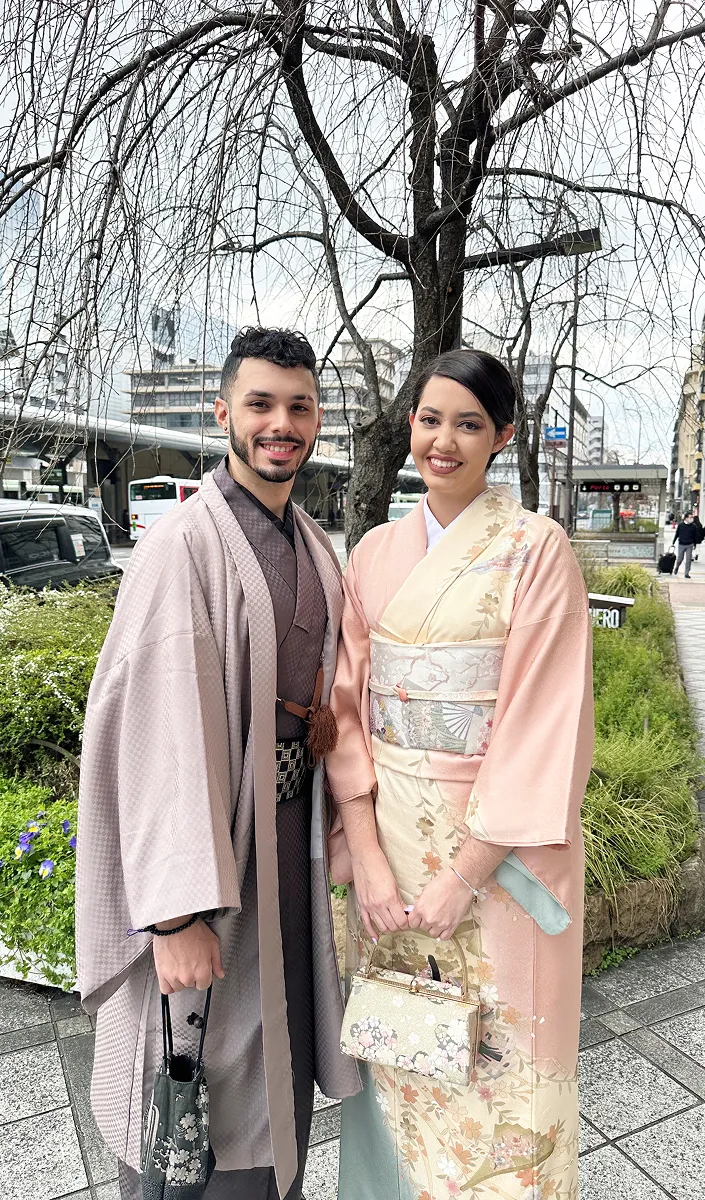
<point>288,441</point>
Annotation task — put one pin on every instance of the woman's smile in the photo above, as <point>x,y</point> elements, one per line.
<point>440,465</point>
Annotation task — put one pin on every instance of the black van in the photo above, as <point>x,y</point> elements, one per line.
<point>49,545</point>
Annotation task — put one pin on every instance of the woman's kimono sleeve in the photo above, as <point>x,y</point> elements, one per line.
<point>349,768</point>
<point>531,782</point>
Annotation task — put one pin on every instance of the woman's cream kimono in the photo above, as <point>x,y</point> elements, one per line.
<point>488,638</point>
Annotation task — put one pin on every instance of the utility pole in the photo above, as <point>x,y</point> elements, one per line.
<point>573,398</point>
<point>701,424</point>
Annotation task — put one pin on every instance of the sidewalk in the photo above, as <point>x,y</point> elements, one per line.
<point>642,1060</point>
<point>642,1096</point>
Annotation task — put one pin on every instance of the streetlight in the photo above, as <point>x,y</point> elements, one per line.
<point>583,241</point>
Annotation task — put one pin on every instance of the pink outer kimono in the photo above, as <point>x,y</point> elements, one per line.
<point>464,697</point>
<point>176,787</point>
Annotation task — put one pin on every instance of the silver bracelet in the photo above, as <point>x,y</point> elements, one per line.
<point>474,891</point>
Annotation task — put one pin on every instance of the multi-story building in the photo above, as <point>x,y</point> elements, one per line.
<point>175,395</point>
<point>687,449</point>
<point>552,457</point>
<point>596,438</point>
<point>344,394</point>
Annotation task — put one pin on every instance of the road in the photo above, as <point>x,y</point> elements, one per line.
<point>122,553</point>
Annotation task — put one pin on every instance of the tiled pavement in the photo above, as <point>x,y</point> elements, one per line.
<point>642,1061</point>
<point>642,1090</point>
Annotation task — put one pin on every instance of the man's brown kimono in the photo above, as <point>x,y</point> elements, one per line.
<point>178,815</point>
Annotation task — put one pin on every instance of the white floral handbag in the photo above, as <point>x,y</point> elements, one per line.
<point>412,1023</point>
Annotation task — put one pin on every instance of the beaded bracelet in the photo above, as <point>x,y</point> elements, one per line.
<point>165,932</point>
<point>474,891</point>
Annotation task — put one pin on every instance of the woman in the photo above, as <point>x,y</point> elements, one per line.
<point>464,700</point>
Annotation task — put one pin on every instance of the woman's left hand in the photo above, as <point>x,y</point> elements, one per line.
<point>442,905</point>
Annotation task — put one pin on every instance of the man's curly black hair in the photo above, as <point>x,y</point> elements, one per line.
<point>283,347</point>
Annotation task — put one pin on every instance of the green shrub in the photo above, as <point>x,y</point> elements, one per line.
<point>636,680</point>
<point>37,850</point>
<point>49,645</point>
<point>639,819</point>
<point>638,815</point>
<point>626,579</point>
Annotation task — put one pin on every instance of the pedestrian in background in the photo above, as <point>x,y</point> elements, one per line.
<point>701,531</point>
<point>687,537</point>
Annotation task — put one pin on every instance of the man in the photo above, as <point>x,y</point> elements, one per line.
<point>687,537</point>
<point>197,800</point>
<point>699,531</point>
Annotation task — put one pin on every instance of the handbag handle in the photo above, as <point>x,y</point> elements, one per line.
<point>167,1036</point>
<point>461,957</point>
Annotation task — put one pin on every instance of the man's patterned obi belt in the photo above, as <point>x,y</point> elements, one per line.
<point>439,696</point>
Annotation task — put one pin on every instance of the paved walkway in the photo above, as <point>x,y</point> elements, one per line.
<point>642,1061</point>
<point>642,1094</point>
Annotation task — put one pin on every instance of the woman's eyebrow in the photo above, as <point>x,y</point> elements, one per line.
<point>427,408</point>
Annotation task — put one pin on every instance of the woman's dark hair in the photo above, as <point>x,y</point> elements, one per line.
<point>483,375</point>
<point>282,347</point>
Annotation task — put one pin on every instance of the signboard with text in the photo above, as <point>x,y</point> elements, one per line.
<point>609,612</point>
<point>610,485</point>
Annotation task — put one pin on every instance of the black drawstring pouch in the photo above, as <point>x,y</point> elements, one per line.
<point>177,1159</point>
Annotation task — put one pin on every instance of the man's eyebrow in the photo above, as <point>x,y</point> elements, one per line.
<point>270,395</point>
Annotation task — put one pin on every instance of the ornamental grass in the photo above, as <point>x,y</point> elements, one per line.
<point>639,816</point>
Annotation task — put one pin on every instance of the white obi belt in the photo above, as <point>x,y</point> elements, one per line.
<point>439,696</point>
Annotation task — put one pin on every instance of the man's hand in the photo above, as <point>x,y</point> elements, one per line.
<point>381,906</point>
<point>187,959</point>
<point>442,905</point>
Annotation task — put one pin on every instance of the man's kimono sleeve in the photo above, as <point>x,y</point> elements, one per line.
<point>532,779</point>
<point>155,812</point>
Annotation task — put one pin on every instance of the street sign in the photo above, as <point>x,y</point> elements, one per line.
<point>555,433</point>
<point>609,612</point>
<point>610,485</point>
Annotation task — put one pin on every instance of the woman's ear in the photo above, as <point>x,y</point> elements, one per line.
<point>412,418</point>
<point>502,438</point>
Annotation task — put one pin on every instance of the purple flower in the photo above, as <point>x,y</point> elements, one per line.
<point>72,842</point>
<point>66,826</point>
<point>46,868</point>
<point>33,828</point>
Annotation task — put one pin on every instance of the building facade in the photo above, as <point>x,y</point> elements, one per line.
<point>596,438</point>
<point>685,485</point>
<point>344,395</point>
<point>175,396</point>
<point>552,457</point>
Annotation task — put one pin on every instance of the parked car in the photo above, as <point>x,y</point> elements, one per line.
<point>49,545</point>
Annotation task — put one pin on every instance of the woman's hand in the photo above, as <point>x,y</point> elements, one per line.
<point>187,959</point>
<point>381,906</point>
<point>442,905</point>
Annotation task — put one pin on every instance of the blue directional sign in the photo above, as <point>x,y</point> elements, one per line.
<point>556,433</point>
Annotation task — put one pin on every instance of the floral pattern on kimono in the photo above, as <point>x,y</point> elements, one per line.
<point>506,577</point>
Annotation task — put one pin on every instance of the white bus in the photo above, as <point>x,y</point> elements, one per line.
<point>151,498</point>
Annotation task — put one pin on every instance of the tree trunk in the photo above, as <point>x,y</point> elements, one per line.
<point>380,452</point>
<point>527,460</point>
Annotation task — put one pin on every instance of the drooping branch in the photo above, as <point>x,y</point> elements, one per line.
<point>391,244</point>
<point>597,189</point>
<point>628,58</point>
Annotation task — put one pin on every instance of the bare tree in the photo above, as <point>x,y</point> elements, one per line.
<point>378,154</point>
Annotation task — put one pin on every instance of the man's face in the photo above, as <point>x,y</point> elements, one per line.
<point>272,418</point>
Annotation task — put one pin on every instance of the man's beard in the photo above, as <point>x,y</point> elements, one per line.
<point>271,474</point>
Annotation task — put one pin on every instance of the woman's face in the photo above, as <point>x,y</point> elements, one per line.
<point>452,438</point>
